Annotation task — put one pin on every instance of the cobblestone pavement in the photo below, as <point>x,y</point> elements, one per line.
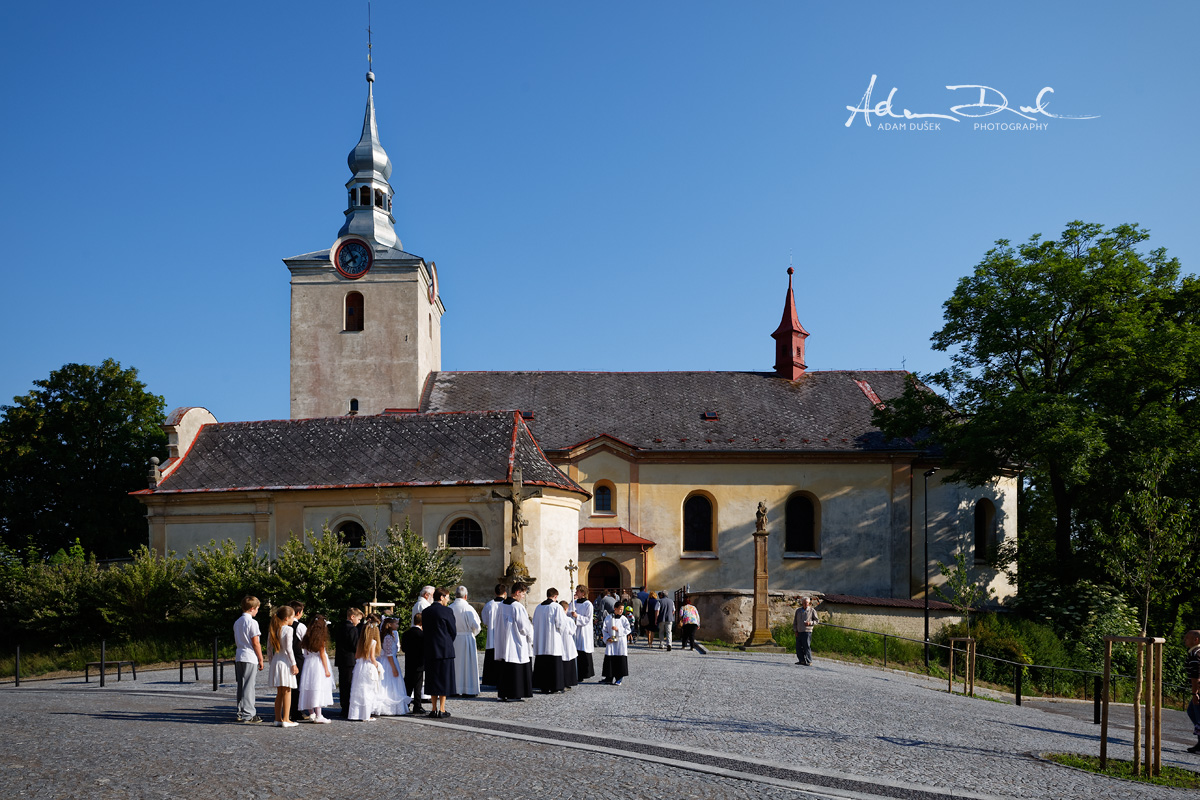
<point>723,725</point>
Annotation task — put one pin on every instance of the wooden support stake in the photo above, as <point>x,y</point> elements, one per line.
<point>1158,712</point>
<point>1104,707</point>
<point>1137,712</point>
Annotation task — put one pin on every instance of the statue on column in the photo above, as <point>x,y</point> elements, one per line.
<point>516,569</point>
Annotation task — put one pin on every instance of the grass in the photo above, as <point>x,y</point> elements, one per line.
<point>67,658</point>
<point>1171,776</point>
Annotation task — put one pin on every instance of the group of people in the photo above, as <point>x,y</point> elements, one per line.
<point>549,652</point>
<point>652,614</point>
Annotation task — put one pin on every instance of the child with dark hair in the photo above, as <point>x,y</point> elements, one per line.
<point>316,678</point>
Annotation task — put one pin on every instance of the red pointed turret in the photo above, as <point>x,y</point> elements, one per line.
<point>789,339</point>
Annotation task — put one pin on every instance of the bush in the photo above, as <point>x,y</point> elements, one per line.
<point>219,576</point>
<point>143,598</point>
<point>317,570</point>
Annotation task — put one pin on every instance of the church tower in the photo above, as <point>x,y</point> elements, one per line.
<point>366,317</point>
<point>789,339</point>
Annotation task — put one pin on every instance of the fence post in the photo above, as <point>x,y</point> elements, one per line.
<point>885,638</point>
<point>102,663</point>
<point>1096,689</point>
<point>18,666</point>
<point>215,683</point>
<point>1017,673</point>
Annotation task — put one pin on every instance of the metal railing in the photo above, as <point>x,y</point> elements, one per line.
<point>1019,669</point>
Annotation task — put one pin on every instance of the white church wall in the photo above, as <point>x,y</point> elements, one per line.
<point>552,538</point>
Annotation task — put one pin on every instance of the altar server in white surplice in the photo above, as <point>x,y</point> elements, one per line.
<point>514,647</point>
<point>466,652</point>
<point>616,648</point>
<point>549,625</point>
<point>491,610</point>
<point>581,614</point>
<point>570,653</point>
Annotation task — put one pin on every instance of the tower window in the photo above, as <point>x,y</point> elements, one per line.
<point>353,406</point>
<point>698,524</point>
<point>351,198</point>
<point>354,312</point>
<point>379,198</point>
<point>364,196</point>
<point>464,532</point>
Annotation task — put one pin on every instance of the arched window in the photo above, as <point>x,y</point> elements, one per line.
<point>698,524</point>
<point>602,500</point>
<point>364,195</point>
<point>985,520</point>
<point>352,534</point>
<point>464,532</point>
<point>352,196</point>
<point>800,533</point>
<point>354,312</point>
<point>379,198</point>
<point>353,406</point>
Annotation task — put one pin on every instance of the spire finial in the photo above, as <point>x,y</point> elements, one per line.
<point>370,73</point>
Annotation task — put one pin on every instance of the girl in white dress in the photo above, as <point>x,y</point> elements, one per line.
<point>393,697</point>
<point>316,679</point>
<point>616,649</point>
<point>367,683</point>
<point>283,668</point>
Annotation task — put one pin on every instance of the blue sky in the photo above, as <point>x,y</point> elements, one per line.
<point>604,186</point>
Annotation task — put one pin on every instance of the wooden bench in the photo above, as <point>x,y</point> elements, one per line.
<point>196,662</point>
<point>87,668</point>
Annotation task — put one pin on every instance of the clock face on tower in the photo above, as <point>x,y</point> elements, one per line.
<point>352,257</point>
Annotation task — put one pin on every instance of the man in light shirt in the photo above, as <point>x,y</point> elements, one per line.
<point>424,601</point>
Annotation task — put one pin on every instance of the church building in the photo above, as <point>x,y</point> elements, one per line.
<point>642,479</point>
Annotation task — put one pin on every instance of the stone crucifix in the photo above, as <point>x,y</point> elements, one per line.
<point>516,496</point>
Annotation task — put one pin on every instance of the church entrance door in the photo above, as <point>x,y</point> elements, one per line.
<point>602,575</point>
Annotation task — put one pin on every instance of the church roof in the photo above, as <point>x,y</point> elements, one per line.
<point>612,537</point>
<point>684,411</point>
<point>358,451</point>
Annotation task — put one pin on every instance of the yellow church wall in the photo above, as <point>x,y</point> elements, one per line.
<point>552,540</point>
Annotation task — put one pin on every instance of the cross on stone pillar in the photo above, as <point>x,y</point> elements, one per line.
<point>516,569</point>
<point>761,633</point>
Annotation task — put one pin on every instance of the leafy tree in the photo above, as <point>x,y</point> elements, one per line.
<point>318,570</point>
<point>145,597</point>
<point>219,576</point>
<point>963,589</point>
<point>70,452</point>
<point>1151,539</point>
<point>1067,355</point>
<point>403,564</point>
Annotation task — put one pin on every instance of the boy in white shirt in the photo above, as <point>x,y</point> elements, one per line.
<point>249,653</point>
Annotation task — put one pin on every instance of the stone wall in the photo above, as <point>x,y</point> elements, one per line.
<point>728,614</point>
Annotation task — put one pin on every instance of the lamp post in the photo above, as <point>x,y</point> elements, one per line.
<point>925,509</point>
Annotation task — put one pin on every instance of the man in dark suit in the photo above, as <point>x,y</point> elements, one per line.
<point>413,645</point>
<point>440,630</point>
<point>346,642</point>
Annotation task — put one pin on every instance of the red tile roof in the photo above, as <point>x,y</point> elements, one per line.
<point>611,537</point>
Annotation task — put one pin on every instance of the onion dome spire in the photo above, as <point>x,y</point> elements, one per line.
<point>369,212</point>
<point>789,339</point>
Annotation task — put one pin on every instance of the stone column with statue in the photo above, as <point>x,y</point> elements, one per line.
<point>761,633</point>
<point>515,570</point>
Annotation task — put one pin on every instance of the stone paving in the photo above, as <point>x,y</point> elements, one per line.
<point>901,733</point>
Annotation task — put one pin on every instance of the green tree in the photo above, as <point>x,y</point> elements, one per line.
<point>402,565</point>
<point>963,589</point>
<point>57,601</point>
<point>70,452</point>
<point>1151,541</point>
<point>1067,355</point>
<point>317,570</point>
<point>219,576</point>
